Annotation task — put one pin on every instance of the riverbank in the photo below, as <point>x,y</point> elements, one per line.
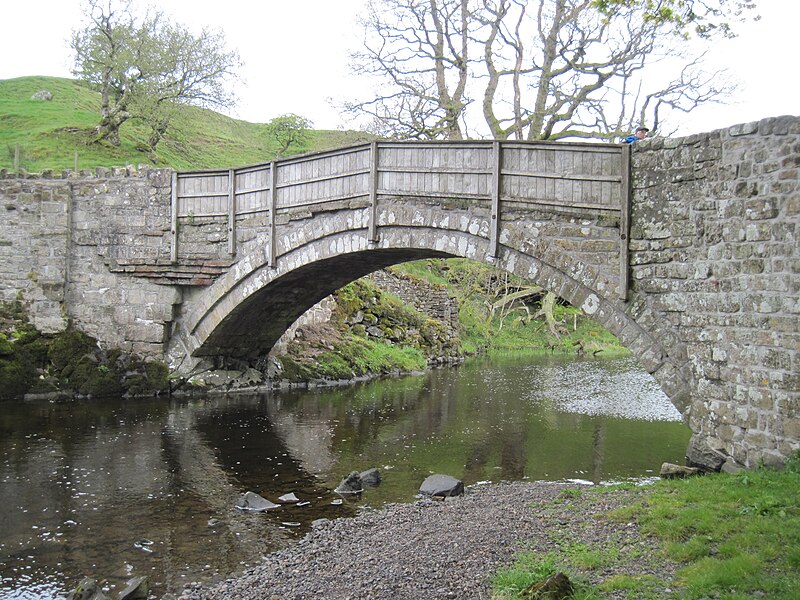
<point>454,548</point>
<point>717,536</point>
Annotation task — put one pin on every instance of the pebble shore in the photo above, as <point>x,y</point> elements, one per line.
<point>445,549</point>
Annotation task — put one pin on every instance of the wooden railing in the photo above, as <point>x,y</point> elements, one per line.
<point>549,174</point>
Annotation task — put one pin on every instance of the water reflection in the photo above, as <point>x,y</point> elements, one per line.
<point>117,489</point>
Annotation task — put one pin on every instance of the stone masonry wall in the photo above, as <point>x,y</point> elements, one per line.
<point>34,234</point>
<point>427,299</point>
<point>67,243</point>
<point>715,249</point>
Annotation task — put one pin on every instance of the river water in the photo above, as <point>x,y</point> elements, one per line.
<point>116,489</point>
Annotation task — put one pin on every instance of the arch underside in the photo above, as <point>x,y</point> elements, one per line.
<point>252,328</point>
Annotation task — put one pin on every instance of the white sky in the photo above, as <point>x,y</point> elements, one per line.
<point>296,54</point>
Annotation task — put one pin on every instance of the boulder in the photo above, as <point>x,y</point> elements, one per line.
<point>671,471</point>
<point>555,587</point>
<point>290,497</point>
<point>137,588</point>
<point>351,484</point>
<point>252,502</point>
<point>441,485</point>
<point>701,455</point>
<point>371,477</point>
<point>731,467</point>
<point>42,95</point>
<point>87,590</point>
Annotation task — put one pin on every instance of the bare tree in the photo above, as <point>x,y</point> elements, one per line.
<point>421,48</point>
<point>543,69</point>
<point>143,67</point>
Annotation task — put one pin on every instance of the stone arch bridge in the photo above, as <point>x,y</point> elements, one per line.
<point>686,249</point>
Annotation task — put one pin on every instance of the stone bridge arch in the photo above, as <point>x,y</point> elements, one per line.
<point>246,311</point>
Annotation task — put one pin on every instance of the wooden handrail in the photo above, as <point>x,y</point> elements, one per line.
<point>578,176</point>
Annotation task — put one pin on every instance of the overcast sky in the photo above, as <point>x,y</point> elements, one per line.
<point>296,54</point>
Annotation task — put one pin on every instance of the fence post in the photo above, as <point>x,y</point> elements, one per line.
<point>494,224</point>
<point>272,247</point>
<point>373,191</point>
<point>231,212</point>
<point>174,218</point>
<point>624,221</point>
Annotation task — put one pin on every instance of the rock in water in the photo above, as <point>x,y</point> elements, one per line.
<point>351,484</point>
<point>87,590</point>
<point>254,503</point>
<point>670,471</point>
<point>138,589</point>
<point>441,485</point>
<point>371,477</point>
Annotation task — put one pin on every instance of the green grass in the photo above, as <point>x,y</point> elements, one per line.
<point>49,134</point>
<point>732,537</point>
<point>529,568</point>
<point>513,332</point>
<point>737,535</point>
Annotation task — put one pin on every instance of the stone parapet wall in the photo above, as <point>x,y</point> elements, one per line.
<point>34,248</point>
<point>715,250</point>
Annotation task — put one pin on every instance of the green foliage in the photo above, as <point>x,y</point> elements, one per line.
<point>589,558</point>
<point>704,19</point>
<point>292,370</point>
<point>289,130</point>
<point>70,362</point>
<point>636,586</point>
<point>144,66</point>
<point>529,568</point>
<point>22,351</point>
<point>512,330</point>
<point>68,349</point>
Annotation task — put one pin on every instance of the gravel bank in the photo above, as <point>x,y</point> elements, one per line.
<point>431,549</point>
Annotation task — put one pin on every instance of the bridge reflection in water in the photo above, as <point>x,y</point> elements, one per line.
<point>115,489</point>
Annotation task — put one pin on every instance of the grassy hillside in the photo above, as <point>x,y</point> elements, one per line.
<point>48,134</point>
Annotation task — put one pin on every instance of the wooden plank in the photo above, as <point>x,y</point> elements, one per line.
<point>173,228</point>
<point>544,204</point>
<point>625,223</point>
<point>232,212</point>
<point>494,224</point>
<point>373,192</point>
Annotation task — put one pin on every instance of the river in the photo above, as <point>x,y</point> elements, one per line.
<point>116,489</point>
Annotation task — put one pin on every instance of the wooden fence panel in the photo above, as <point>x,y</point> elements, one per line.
<point>326,178</point>
<point>203,194</point>
<point>253,189</point>
<point>462,170</point>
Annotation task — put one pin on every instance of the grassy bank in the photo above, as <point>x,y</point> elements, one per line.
<point>731,537</point>
<point>490,326</point>
<point>58,134</point>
